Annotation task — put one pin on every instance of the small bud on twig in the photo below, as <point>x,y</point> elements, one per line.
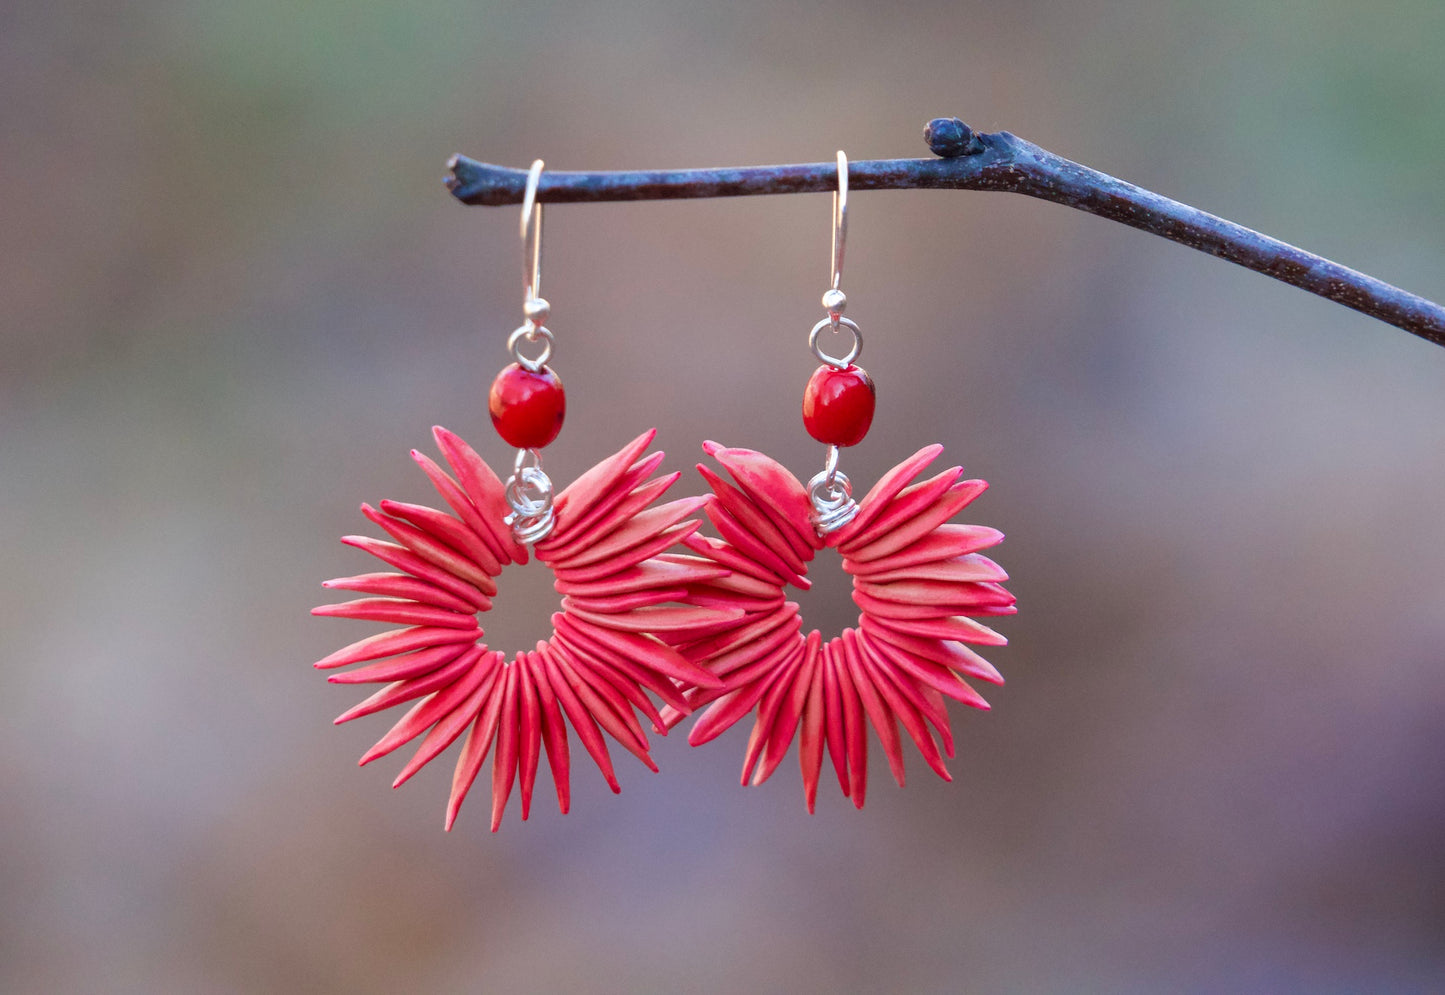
<point>949,137</point>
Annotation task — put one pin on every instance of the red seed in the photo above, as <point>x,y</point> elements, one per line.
<point>527,408</point>
<point>838,405</point>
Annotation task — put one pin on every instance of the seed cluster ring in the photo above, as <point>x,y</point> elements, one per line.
<point>919,583</point>
<point>610,641</point>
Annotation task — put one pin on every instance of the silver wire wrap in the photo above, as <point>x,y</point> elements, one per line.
<point>831,494</point>
<point>529,493</point>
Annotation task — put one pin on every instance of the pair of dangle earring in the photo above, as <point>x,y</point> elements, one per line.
<point>649,604</point>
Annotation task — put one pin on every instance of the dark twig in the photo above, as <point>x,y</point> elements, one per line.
<point>1000,162</point>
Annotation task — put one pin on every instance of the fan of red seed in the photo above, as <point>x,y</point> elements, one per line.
<point>919,584</point>
<point>608,552</point>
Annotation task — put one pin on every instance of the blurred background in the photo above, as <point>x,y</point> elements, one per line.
<point>235,293</point>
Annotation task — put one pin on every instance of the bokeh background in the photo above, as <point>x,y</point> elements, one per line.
<point>235,293</point>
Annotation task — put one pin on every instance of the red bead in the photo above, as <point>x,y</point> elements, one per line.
<point>838,405</point>
<point>527,408</point>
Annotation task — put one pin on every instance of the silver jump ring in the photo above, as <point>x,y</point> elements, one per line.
<point>838,362</point>
<point>830,494</point>
<point>531,529</point>
<point>529,493</point>
<point>531,333</point>
<point>833,504</point>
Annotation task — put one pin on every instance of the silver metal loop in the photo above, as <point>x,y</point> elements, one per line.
<point>532,234</point>
<point>832,500</point>
<point>530,333</point>
<point>529,493</point>
<point>830,467</point>
<point>531,530</point>
<point>838,362</point>
<point>840,220</point>
<point>526,459</point>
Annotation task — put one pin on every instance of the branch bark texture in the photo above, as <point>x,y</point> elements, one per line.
<point>969,161</point>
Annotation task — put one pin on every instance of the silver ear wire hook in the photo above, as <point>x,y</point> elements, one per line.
<point>532,234</point>
<point>535,308</point>
<point>834,300</point>
<point>840,219</point>
<point>830,491</point>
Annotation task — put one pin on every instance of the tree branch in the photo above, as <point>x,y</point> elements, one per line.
<point>969,161</point>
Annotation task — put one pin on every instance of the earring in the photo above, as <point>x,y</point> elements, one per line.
<point>919,583</point>
<point>607,550</point>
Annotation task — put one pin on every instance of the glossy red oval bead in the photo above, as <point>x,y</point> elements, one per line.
<point>838,405</point>
<point>527,408</point>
